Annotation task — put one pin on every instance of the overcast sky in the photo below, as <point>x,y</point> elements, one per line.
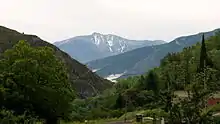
<point>55,20</point>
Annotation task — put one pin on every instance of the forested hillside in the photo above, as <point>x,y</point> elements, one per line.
<point>178,89</point>
<point>35,86</point>
<point>84,81</point>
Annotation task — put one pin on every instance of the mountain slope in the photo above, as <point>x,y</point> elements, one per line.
<point>140,60</point>
<point>96,46</point>
<point>84,81</point>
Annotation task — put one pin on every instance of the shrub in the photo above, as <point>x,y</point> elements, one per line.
<point>8,117</point>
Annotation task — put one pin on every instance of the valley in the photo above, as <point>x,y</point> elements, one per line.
<point>183,79</point>
<point>110,62</point>
<point>139,57</point>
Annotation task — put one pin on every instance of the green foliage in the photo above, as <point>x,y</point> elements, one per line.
<point>204,59</point>
<point>84,82</point>
<point>8,117</point>
<point>79,110</point>
<point>155,112</point>
<point>120,102</point>
<point>36,81</point>
<point>154,92</point>
<point>128,83</point>
<point>152,82</point>
<point>193,108</point>
<point>180,69</point>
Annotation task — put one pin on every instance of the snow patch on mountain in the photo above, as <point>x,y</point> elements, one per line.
<point>96,39</point>
<point>177,42</point>
<point>96,46</point>
<point>109,40</point>
<point>110,49</point>
<point>110,43</point>
<point>95,70</point>
<point>122,45</point>
<point>113,77</point>
<point>114,43</point>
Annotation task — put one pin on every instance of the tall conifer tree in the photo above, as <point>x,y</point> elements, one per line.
<point>203,56</point>
<point>152,82</point>
<point>204,59</point>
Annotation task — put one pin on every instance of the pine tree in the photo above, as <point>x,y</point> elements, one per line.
<point>152,82</point>
<point>203,56</point>
<point>119,102</point>
<point>204,59</point>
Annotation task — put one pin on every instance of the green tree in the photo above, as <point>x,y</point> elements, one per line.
<point>142,85</point>
<point>187,55</point>
<point>152,82</point>
<point>35,80</point>
<point>204,59</point>
<point>119,104</point>
<point>193,108</point>
<point>8,117</point>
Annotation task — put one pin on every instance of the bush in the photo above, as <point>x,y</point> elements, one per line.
<point>99,113</point>
<point>8,117</point>
<point>116,113</point>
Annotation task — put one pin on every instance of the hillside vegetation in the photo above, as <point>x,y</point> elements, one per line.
<point>83,80</point>
<point>36,86</point>
<point>178,89</point>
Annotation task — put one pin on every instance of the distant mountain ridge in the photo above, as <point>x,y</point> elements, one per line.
<point>96,46</point>
<point>140,60</point>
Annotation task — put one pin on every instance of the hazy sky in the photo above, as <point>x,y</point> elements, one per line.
<point>55,20</point>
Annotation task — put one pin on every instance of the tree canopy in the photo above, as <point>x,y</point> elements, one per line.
<point>35,80</point>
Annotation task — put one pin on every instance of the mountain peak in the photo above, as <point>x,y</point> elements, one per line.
<point>96,33</point>
<point>99,38</point>
<point>140,60</point>
<point>98,45</point>
<point>104,35</point>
